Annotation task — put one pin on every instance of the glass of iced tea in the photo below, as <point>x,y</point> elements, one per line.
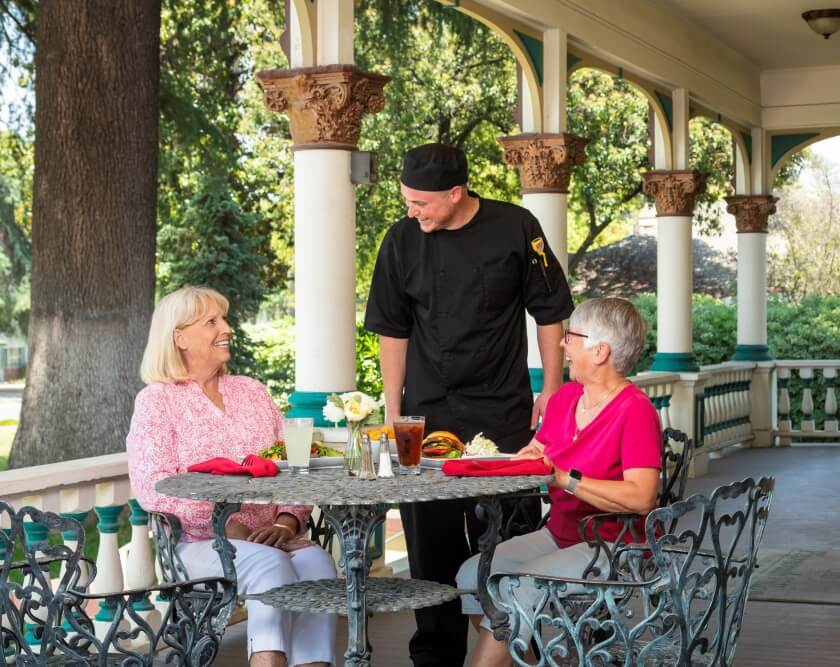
<point>408,432</point>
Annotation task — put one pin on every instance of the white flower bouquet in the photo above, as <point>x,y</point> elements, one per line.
<point>356,408</point>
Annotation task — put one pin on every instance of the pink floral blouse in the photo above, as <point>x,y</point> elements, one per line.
<point>176,425</point>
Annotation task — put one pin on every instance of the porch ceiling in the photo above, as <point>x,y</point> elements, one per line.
<point>771,33</point>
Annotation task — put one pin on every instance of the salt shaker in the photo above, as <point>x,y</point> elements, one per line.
<point>385,469</point>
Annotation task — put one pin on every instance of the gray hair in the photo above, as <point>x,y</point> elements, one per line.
<point>613,321</point>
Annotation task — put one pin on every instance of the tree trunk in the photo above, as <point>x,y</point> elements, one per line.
<point>93,225</point>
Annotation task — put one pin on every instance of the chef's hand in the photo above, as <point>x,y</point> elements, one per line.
<point>533,450</point>
<point>539,408</point>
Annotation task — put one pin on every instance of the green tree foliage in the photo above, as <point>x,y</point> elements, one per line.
<point>212,243</point>
<point>610,113</point>
<point>804,241</point>
<point>220,220</point>
<point>454,82</point>
<point>710,151</point>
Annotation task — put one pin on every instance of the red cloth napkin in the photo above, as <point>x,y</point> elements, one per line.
<point>494,467</point>
<point>256,467</point>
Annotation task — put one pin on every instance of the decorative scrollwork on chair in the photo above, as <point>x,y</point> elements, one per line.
<point>47,623</point>
<point>685,610</point>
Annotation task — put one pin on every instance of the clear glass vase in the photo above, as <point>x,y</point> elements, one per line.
<point>353,450</point>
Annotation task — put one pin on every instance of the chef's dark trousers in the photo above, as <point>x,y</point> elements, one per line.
<point>437,546</point>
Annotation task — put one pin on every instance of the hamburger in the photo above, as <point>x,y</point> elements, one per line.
<point>442,445</point>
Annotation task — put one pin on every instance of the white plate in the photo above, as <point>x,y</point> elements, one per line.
<point>318,462</point>
<point>438,463</point>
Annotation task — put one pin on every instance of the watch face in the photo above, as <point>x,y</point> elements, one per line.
<point>576,474</point>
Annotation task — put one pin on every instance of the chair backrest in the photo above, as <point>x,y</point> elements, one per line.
<point>166,529</point>
<point>29,597</point>
<point>705,550</point>
<point>677,454</point>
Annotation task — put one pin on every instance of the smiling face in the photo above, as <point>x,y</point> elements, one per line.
<point>581,360</point>
<point>205,344</point>
<point>433,210</point>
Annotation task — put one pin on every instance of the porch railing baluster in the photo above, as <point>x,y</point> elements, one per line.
<point>806,376</point>
<point>830,409</point>
<point>785,425</point>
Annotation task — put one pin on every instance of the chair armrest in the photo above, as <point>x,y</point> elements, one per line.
<point>590,531</point>
<point>159,588</point>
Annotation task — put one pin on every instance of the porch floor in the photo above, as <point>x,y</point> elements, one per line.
<point>804,513</point>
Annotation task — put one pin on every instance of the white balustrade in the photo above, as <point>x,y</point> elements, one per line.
<point>726,405</point>
<point>804,413</point>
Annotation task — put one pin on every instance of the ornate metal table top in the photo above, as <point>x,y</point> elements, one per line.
<point>332,486</point>
<point>329,596</point>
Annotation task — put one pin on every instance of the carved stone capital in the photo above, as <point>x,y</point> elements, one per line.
<point>544,161</point>
<point>674,192</point>
<point>751,212</point>
<point>325,104</point>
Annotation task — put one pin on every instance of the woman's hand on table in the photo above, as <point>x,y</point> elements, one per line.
<point>533,450</point>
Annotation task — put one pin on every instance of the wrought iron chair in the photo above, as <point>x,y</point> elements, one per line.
<point>685,610</point>
<point>677,453</point>
<point>43,623</point>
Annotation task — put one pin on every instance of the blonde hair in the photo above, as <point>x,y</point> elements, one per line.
<point>616,322</point>
<point>162,361</point>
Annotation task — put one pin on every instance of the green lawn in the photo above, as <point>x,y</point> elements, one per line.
<point>7,434</point>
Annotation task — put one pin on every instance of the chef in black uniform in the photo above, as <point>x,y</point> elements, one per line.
<point>450,289</point>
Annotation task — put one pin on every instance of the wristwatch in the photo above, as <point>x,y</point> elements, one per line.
<point>574,479</point>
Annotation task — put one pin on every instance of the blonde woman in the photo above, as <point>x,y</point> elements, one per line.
<point>192,410</point>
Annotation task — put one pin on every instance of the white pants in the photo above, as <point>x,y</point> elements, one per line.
<point>533,553</point>
<point>304,638</point>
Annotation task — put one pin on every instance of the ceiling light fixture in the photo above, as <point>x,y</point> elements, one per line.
<point>824,22</point>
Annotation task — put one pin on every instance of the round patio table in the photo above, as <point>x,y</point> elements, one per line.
<point>354,508</point>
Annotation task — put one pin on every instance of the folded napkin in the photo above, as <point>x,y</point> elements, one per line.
<point>256,466</point>
<point>494,467</point>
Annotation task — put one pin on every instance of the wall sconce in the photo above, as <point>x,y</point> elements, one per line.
<point>824,22</point>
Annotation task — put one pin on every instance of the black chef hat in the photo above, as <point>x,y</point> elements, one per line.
<point>434,167</point>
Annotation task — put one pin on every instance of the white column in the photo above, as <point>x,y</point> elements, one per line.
<point>661,153</point>
<point>674,283</point>
<point>679,137</point>
<point>752,289</point>
<point>674,193</point>
<point>325,206</point>
<point>335,32</point>
<point>325,272</point>
<point>751,213</point>
<point>550,209</point>
<point>759,164</point>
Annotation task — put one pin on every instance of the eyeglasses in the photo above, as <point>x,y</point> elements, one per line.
<point>569,332</point>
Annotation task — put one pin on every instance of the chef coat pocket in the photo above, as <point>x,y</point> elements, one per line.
<point>500,290</point>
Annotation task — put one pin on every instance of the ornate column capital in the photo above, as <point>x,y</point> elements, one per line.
<point>325,104</point>
<point>674,191</point>
<point>544,161</point>
<point>751,212</point>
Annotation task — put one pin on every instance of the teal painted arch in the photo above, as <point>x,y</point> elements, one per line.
<point>783,145</point>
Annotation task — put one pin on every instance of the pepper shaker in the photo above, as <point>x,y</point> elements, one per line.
<point>366,469</point>
<point>385,469</point>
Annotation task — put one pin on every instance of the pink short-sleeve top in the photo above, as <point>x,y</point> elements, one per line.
<point>175,425</point>
<point>625,434</point>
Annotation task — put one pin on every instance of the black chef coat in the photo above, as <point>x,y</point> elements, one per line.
<point>459,297</point>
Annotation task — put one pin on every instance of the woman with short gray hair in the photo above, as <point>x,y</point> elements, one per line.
<point>602,437</point>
